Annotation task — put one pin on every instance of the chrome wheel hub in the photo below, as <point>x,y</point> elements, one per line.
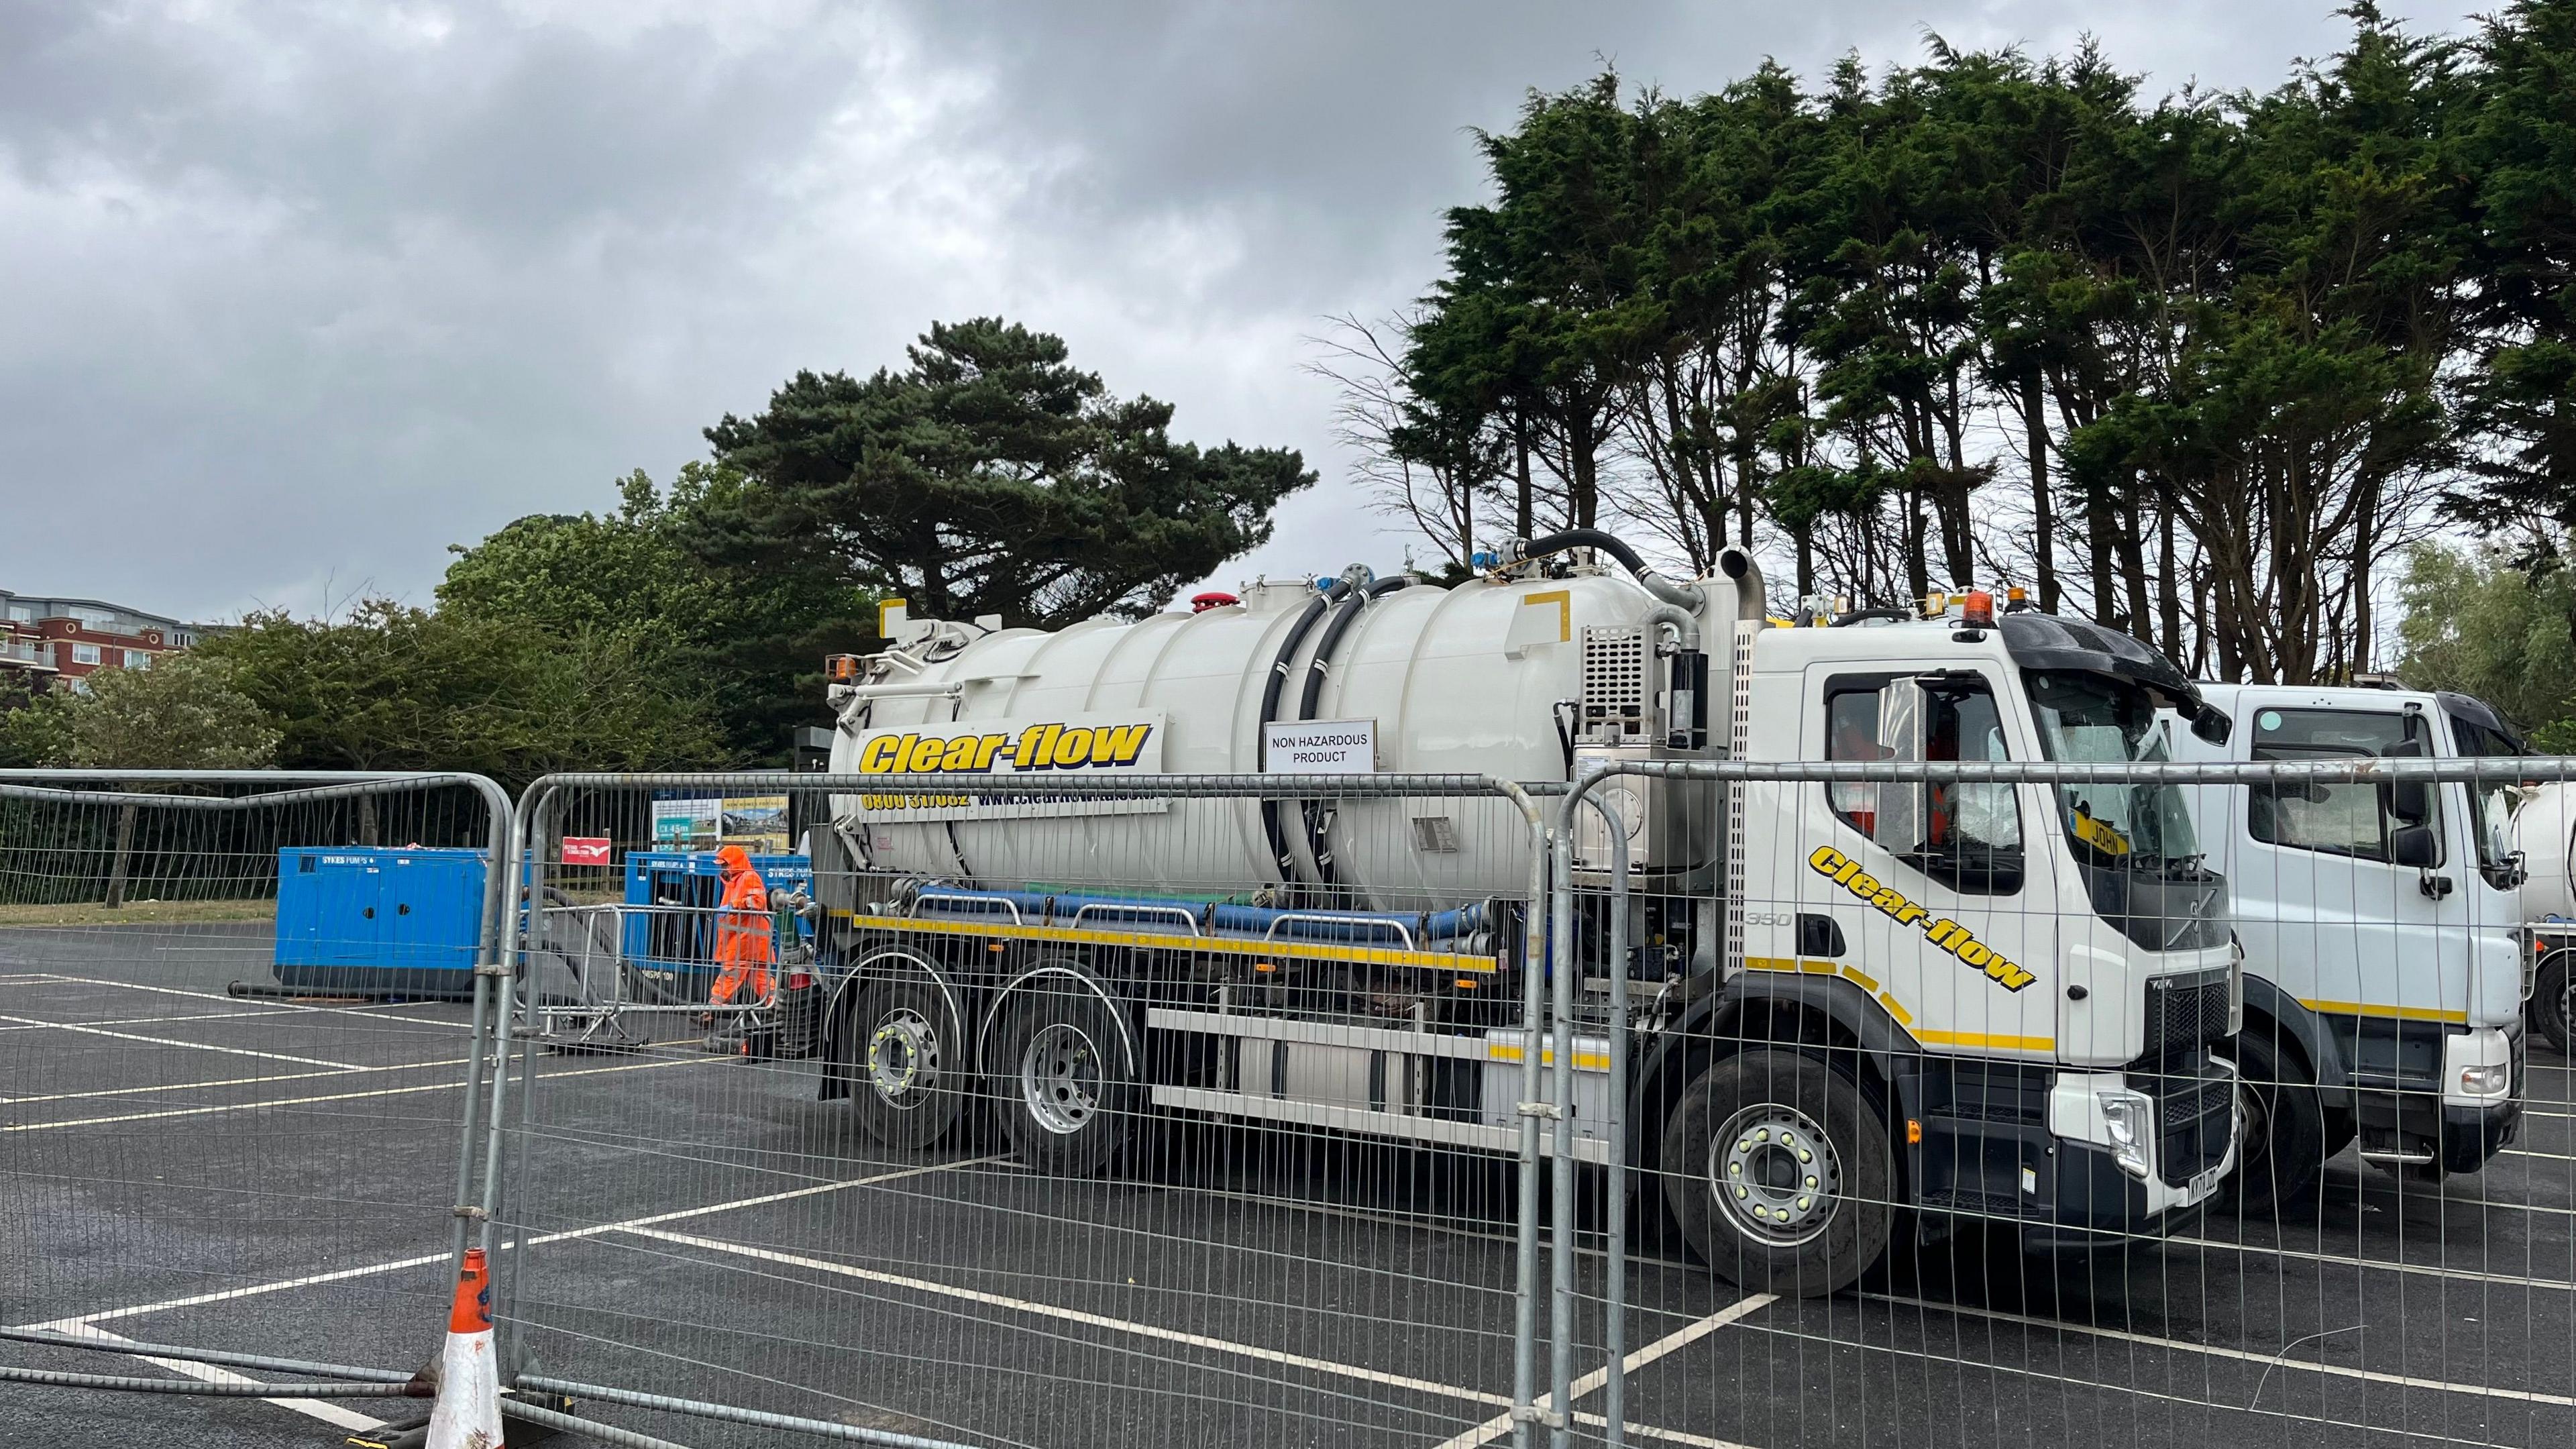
<point>1776,1173</point>
<point>1060,1078</point>
<point>903,1057</point>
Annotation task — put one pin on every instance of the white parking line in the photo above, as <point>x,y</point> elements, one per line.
<point>2425,1270</point>
<point>287,1007</point>
<point>331,1097</point>
<point>2269,1360</point>
<point>1483,1433</point>
<point>208,1373</point>
<point>338,1275</point>
<point>227,1082</point>
<point>248,1014</point>
<point>191,1045</point>
<point>33,1025</point>
<point>1075,1315</point>
<point>1500,1425</point>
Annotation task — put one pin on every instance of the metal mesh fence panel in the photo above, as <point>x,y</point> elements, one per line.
<point>1946,1097</point>
<point>237,1062</point>
<point>2212,1102</point>
<point>1178,1111</point>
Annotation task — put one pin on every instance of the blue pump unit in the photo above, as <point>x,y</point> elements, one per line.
<point>370,921</point>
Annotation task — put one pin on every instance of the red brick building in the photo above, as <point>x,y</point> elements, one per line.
<point>49,643</point>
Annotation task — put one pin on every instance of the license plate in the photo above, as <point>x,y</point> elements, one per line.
<point>2203,1184</point>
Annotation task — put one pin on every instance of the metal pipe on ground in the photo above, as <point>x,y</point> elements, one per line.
<point>136,1384</point>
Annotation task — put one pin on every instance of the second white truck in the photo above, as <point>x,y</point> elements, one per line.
<point>2384,933</point>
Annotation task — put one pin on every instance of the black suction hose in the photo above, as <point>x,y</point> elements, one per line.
<point>1608,543</point>
<point>1272,831</point>
<point>1316,818</point>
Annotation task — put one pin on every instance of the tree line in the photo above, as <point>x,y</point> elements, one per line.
<point>686,627</point>
<point>2272,379</point>
<point>2203,367</point>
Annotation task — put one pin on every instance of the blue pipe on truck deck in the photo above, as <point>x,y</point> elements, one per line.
<point>1235,918</point>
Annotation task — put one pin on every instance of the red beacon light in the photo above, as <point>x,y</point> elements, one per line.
<point>1212,599</point>
<point>1978,611</point>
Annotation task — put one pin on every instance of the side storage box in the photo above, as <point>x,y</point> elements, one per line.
<point>379,922</point>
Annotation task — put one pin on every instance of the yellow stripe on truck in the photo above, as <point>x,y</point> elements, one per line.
<point>2392,1013</point>
<point>1987,1040</point>
<point>1173,941</point>
<point>1853,974</point>
<point>1511,1051</point>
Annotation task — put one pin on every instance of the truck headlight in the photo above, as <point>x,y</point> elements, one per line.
<point>2485,1081</point>
<point>2235,984</point>
<point>2129,1118</point>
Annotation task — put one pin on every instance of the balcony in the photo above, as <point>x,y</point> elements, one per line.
<point>27,654</point>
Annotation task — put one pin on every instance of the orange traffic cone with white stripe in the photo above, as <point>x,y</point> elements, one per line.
<point>468,1412</point>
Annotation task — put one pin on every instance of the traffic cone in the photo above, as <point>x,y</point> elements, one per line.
<point>468,1412</point>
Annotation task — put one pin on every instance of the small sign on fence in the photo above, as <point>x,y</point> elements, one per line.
<point>585,850</point>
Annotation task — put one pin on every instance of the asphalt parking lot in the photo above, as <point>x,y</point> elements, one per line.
<point>181,1166</point>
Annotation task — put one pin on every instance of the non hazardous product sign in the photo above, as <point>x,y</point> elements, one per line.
<point>1319,747</point>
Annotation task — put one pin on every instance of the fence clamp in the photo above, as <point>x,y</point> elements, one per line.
<point>1548,1110</point>
<point>1533,1414</point>
<point>491,968</point>
<point>468,1212</point>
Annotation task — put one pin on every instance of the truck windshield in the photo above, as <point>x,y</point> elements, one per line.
<point>2097,719</point>
<point>2494,800</point>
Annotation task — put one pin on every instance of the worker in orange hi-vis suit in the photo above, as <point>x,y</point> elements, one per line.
<point>742,937</point>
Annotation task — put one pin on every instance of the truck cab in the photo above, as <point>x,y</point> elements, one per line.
<point>2034,978</point>
<point>2381,928</point>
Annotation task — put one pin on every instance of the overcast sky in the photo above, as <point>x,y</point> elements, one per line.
<point>294,296</point>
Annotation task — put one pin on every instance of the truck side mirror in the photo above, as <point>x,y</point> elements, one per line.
<point>2211,725</point>
<point>2410,801</point>
<point>2414,846</point>
<point>1904,715</point>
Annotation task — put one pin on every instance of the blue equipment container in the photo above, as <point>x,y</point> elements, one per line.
<point>674,947</point>
<point>379,922</point>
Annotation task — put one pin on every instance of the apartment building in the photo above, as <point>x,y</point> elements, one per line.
<point>51,642</point>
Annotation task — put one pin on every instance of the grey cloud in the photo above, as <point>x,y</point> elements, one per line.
<point>294,297</point>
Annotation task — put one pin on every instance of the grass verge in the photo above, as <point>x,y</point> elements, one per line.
<point>139,913</point>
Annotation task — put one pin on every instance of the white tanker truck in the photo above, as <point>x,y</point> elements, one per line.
<point>2544,835</point>
<point>1856,1001</point>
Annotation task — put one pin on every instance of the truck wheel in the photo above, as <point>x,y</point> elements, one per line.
<point>1068,1100</point>
<point>1780,1173</point>
<point>2284,1151</point>
<point>906,1061</point>
<point>2553,1000</point>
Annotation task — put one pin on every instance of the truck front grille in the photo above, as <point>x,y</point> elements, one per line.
<point>2186,1012</point>
<point>2195,1113</point>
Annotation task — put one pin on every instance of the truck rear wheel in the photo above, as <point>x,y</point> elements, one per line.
<point>1780,1173</point>
<point>2283,1153</point>
<point>1067,1097</point>
<point>906,1062</point>
<point>2553,1000</point>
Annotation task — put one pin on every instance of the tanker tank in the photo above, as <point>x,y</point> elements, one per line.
<point>2542,825</point>
<point>1471,679</point>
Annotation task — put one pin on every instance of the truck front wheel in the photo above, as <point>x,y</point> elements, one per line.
<point>1780,1173</point>
<point>1068,1099</point>
<point>2553,999</point>
<point>2284,1152</point>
